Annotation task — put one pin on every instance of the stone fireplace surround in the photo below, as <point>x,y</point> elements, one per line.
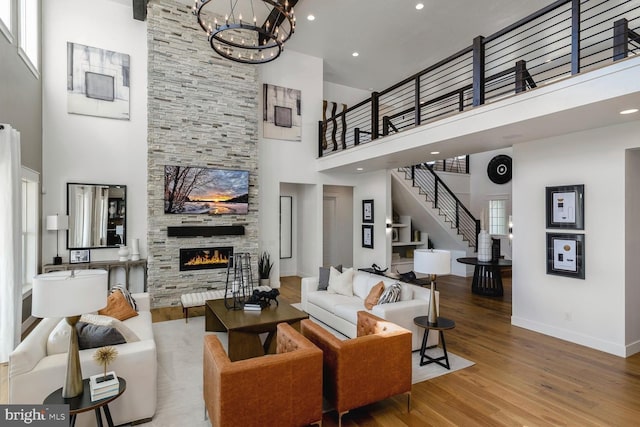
<point>202,111</point>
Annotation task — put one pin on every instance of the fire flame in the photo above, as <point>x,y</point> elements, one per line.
<point>216,258</point>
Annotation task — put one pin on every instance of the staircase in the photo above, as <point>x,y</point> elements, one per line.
<point>441,202</point>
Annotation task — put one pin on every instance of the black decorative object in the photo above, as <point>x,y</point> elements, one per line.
<point>239,284</point>
<point>565,207</point>
<point>264,298</point>
<point>565,255</point>
<point>499,169</point>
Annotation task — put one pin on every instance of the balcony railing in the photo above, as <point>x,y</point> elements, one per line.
<point>563,39</point>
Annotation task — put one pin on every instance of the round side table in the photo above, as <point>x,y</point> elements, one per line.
<point>441,325</point>
<point>83,402</point>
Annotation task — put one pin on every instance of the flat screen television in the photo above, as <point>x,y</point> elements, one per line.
<point>196,190</point>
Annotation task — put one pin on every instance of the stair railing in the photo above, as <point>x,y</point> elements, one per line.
<point>442,198</point>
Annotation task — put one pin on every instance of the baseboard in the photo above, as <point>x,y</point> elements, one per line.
<point>633,348</point>
<point>566,335</point>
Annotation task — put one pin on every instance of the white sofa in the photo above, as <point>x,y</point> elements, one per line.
<point>33,374</point>
<point>340,311</point>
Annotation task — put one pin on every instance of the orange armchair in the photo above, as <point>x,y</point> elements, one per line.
<point>372,367</point>
<point>284,389</point>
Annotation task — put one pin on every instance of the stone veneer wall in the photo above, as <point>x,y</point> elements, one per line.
<point>203,111</point>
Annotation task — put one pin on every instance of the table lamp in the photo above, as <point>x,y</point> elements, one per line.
<point>70,294</point>
<point>432,262</point>
<point>56,223</point>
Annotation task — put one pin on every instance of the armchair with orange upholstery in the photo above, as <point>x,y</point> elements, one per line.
<point>283,389</point>
<point>371,367</point>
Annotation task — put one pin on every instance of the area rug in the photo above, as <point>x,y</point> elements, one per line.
<point>179,348</point>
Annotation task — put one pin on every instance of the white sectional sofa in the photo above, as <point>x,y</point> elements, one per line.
<point>340,311</point>
<point>34,374</point>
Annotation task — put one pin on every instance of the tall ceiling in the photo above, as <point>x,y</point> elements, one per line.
<point>393,39</point>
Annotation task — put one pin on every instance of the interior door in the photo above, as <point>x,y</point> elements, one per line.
<point>329,229</point>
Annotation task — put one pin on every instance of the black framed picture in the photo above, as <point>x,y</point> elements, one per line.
<point>367,236</point>
<point>79,256</point>
<point>565,207</point>
<point>367,211</point>
<point>565,254</point>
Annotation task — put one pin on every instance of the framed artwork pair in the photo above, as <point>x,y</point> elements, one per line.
<point>565,251</point>
<point>367,229</point>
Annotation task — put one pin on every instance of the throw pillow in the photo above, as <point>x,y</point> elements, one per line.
<point>127,295</point>
<point>323,277</point>
<point>58,341</point>
<point>341,283</point>
<point>92,336</point>
<point>391,294</point>
<point>118,307</point>
<point>374,295</point>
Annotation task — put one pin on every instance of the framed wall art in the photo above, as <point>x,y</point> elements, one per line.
<point>79,256</point>
<point>97,82</point>
<point>565,207</point>
<point>367,236</point>
<point>565,255</point>
<point>281,115</point>
<point>367,211</point>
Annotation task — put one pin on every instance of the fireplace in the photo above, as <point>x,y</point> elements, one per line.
<point>205,258</point>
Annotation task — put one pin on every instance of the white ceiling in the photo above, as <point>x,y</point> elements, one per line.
<point>394,39</point>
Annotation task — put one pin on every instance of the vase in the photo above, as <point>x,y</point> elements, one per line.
<point>123,253</point>
<point>135,249</point>
<point>484,246</point>
<point>265,282</point>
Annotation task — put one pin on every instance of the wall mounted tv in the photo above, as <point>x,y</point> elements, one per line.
<point>196,190</point>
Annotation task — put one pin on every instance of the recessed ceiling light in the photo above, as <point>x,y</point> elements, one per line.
<point>419,6</point>
<point>629,111</point>
<point>435,152</point>
<point>355,54</point>
<point>311,18</point>
<point>359,169</point>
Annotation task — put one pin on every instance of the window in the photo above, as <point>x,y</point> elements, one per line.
<point>29,34</point>
<point>497,217</point>
<point>6,22</point>
<point>30,180</point>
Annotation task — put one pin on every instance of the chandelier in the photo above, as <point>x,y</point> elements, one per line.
<point>238,31</point>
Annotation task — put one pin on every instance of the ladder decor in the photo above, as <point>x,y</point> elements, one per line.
<point>239,284</point>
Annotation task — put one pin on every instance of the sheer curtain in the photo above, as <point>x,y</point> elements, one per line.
<point>11,243</point>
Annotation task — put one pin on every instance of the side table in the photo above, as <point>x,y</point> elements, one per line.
<point>441,325</point>
<point>83,402</point>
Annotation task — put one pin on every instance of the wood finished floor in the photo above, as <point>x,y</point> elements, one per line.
<point>520,378</point>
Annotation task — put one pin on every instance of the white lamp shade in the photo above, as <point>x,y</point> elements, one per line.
<point>60,295</point>
<point>431,261</point>
<point>57,222</point>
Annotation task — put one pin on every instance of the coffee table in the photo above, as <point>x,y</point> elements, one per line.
<point>244,327</point>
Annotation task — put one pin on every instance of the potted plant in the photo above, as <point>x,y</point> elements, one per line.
<point>264,268</point>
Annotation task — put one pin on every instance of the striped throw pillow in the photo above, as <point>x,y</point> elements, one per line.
<point>391,294</point>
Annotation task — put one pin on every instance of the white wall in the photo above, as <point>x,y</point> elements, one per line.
<point>632,249</point>
<point>591,311</point>
<point>341,94</point>
<point>92,149</point>
<point>295,163</point>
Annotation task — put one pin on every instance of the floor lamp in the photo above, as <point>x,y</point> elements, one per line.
<point>56,223</point>
<point>70,294</point>
<point>432,262</point>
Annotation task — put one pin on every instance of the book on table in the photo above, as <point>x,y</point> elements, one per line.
<point>103,386</point>
<point>252,307</point>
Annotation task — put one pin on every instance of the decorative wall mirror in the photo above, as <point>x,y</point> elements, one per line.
<point>97,215</point>
<point>286,227</point>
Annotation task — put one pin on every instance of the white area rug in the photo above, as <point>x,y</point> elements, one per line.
<point>179,348</point>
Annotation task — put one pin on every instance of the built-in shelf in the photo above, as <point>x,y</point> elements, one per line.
<point>402,244</point>
<point>408,243</point>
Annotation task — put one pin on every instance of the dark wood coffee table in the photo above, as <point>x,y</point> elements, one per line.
<point>244,327</point>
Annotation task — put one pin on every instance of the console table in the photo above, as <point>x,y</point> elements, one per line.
<point>487,279</point>
<point>102,265</point>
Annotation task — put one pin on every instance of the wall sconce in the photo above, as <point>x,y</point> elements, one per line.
<point>510,228</point>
